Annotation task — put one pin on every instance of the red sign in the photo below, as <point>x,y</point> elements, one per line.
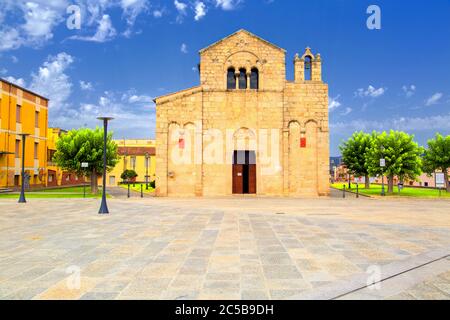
<point>302,142</point>
<point>181,143</point>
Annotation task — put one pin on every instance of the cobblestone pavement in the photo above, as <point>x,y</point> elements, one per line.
<point>227,248</point>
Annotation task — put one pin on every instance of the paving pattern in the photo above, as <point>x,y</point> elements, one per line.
<point>239,248</point>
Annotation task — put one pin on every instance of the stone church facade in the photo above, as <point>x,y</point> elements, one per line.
<point>245,129</point>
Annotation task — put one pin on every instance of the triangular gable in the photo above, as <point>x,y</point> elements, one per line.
<point>242,31</point>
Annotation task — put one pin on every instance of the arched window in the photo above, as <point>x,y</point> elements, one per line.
<point>231,79</point>
<point>254,79</point>
<point>242,79</point>
<point>308,67</point>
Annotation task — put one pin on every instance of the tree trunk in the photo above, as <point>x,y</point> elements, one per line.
<point>447,183</point>
<point>367,181</point>
<point>94,182</point>
<point>390,183</point>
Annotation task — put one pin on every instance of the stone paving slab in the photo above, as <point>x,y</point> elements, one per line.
<point>240,248</point>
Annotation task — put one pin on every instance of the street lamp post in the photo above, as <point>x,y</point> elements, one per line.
<point>382,165</point>
<point>146,171</point>
<point>22,189</point>
<point>104,206</point>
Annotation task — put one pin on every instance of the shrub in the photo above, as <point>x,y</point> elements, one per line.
<point>128,175</point>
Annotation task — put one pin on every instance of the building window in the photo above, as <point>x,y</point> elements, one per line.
<point>426,184</point>
<point>231,79</point>
<point>308,67</point>
<point>36,119</point>
<point>17,149</point>
<point>133,162</point>
<point>36,149</point>
<point>18,113</point>
<point>254,79</point>
<point>242,79</point>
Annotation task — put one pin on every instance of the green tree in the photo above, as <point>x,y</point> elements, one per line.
<point>128,175</point>
<point>401,153</point>
<point>354,152</point>
<point>85,145</point>
<point>437,157</point>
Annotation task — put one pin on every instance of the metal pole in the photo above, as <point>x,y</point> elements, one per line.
<point>343,192</point>
<point>142,192</point>
<point>104,206</point>
<point>128,190</point>
<point>357,190</point>
<point>382,184</point>
<point>22,189</point>
<point>146,172</point>
<point>84,188</point>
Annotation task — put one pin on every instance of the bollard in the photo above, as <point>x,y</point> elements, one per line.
<point>142,193</point>
<point>343,192</point>
<point>84,190</point>
<point>357,190</point>
<point>128,190</point>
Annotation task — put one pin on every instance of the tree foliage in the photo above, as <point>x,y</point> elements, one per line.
<point>85,145</point>
<point>128,175</point>
<point>354,152</point>
<point>437,156</point>
<point>401,153</point>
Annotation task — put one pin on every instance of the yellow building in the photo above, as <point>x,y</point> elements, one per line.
<point>22,111</point>
<point>137,155</point>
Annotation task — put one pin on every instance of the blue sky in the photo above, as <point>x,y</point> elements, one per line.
<point>129,51</point>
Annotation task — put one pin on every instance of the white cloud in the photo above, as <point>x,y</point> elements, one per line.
<point>227,4</point>
<point>40,21</point>
<point>333,103</point>
<point>346,111</point>
<point>10,39</point>
<point>200,10</point>
<point>14,59</point>
<point>3,71</point>
<point>435,98</point>
<point>105,31</point>
<point>180,6</point>
<point>86,85</point>
<point>371,91</point>
<point>131,119</point>
<point>131,10</point>
<point>183,48</point>
<point>52,82</point>
<point>19,81</point>
<point>182,10</point>
<point>131,96</point>
<point>439,122</point>
<point>409,91</point>
<point>33,22</point>
<point>158,13</point>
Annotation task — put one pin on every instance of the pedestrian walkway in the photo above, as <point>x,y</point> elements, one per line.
<point>217,248</point>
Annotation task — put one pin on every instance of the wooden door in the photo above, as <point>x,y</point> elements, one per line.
<point>252,178</point>
<point>238,185</point>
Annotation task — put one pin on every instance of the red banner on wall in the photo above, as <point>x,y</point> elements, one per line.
<point>302,142</point>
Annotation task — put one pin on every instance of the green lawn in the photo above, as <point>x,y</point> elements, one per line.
<point>69,192</point>
<point>137,187</point>
<point>375,190</point>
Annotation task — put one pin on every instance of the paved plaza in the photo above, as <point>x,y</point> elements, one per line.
<point>225,248</point>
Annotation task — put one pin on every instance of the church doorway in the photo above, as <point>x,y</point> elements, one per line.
<point>244,172</point>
